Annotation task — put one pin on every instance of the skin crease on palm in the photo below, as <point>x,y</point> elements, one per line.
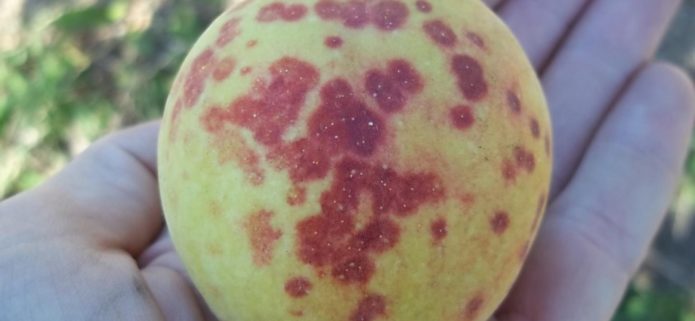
<point>89,244</point>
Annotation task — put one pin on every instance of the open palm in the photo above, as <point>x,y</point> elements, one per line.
<point>90,244</point>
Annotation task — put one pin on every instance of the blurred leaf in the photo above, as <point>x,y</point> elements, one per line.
<point>90,17</point>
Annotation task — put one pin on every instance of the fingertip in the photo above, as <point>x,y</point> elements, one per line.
<point>665,95</point>
<point>674,84</point>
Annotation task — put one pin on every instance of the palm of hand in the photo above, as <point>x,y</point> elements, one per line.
<point>82,244</point>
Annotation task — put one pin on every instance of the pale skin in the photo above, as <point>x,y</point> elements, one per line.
<point>90,243</point>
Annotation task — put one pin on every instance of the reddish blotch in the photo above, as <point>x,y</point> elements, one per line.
<point>333,42</point>
<point>438,229</point>
<point>423,6</point>
<point>389,14</point>
<point>228,32</point>
<point>223,69</point>
<point>469,76</point>
<point>440,32</point>
<point>513,102</point>
<point>473,307</point>
<point>535,128</point>
<point>386,15</point>
<point>274,104</point>
<point>197,77</point>
<point>390,89</point>
<point>499,222</point>
<point>262,236</point>
<point>281,11</point>
<point>298,287</point>
<point>370,307</point>
<point>462,117</point>
<point>476,39</point>
<point>296,196</point>
<point>524,158</point>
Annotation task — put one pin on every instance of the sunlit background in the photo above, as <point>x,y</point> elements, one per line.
<point>72,70</point>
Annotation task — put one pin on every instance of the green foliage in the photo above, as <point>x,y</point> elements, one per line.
<point>647,305</point>
<point>91,17</point>
<point>83,76</point>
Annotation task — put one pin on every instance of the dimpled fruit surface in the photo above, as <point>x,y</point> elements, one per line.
<point>355,160</point>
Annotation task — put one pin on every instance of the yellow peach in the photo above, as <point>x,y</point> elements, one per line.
<point>355,160</point>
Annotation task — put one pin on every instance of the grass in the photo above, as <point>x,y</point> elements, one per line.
<point>93,69</point>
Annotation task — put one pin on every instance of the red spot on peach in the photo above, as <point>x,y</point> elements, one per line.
<point>297,313</point>
<point>280,11</point>
<point>469,75</point>
<point>438,228</point>
<point>476,39</point>
<point>197,76</point>
<point>294,12</point>
<point>370,307</point>
<point>440,32</point>
<point>296,196</point>
<point>358,269</point>
<point>245,70</point>
<point>380,235</point>
<point>499,222</point>
<point>462,117</point>
<point>389,14</point>
<point>473,307</point>
<point>467,199</point>
<point>513,102</point>
<point>223,69</point>
<point>386,93</point>
<point>354,14</point>
<point>298,287</point>
<point>344,122</point>
<point>389,88</point>
<point>405,75</point>
<point>304,159</point>
<point>230,145</point>
<point>535,128</point>
<point>174,122</point>
<point>385,15</point>
<point>262,236</point>
<point>251,43</point>
<point>228,32</point>
<point>508,170</point>
<point>274,104</point>
<point>333,42</point>
<point>331,237</point>
<point>328,9</point>
<point>423,6</point>
<point>524,158</point>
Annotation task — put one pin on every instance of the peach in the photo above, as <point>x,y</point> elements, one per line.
<point>355,160</point>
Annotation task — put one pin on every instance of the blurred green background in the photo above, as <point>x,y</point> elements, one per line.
<point>73,70</point>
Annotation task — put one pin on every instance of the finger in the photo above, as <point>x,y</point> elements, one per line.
<point>173,294</point>
<point>493,3</point>
<point>110,193</point>
<point>602,224</point>
<point>613,39</point>
<point>161,255</point>
<point>539,25</point>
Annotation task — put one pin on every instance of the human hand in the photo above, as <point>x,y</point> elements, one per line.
<point>89,244</point>
<point>622,123</point>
